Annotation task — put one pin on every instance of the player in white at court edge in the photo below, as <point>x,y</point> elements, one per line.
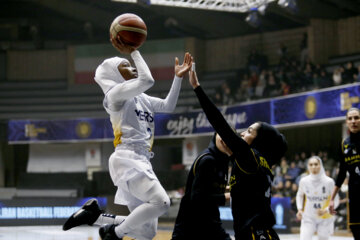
<point>132,116</point>
<point>312,201</point>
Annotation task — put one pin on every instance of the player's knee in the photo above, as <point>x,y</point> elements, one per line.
<point>162,202</point>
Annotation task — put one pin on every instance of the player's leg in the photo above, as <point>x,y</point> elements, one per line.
<point>307,229</point>
<point>325,229</point>
<point>155,203</point>
<point>355,229</point>
<point>91,214</point>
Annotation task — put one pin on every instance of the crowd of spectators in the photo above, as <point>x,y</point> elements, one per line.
<point>287,176</point>
<point>291,75</point>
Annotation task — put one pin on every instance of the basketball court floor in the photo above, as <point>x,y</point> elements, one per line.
<point>91,233</point>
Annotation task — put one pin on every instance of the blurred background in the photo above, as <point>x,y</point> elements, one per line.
<point>292,63</point>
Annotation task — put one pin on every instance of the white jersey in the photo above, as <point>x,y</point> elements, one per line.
<point>132,111</point>
<point>313,196</point>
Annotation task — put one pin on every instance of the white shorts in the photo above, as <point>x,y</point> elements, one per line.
<point>323,227</point>
<point>126,165</point>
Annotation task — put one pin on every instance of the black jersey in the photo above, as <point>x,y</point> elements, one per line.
<point>250,180</point>
<point>350,162</point>
<point>199,215</point>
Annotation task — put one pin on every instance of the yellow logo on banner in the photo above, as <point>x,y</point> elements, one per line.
<point>346,101</point>
<point>83,129</point>
<point>310,107</point>
<point>32,131</point>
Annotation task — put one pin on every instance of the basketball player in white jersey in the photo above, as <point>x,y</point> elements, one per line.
<point>132,116</point>
<point>312,201</point>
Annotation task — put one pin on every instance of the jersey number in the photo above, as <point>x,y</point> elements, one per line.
<point>317,205</point>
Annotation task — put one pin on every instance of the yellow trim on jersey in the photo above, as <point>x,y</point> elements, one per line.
<point>243,169</point>
<point>268,232</point>
<point>342,145</point>
<point>196,161</point>
<point>325,205</point>
<point>117,137</point>
<point>354,223</point>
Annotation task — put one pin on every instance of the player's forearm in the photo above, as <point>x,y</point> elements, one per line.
<point>144,73</point>
<point>169,103</point>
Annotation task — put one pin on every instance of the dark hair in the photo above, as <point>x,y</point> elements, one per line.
<point>352,109</point>
<point>270,143</point>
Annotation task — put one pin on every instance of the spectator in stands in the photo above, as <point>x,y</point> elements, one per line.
<point>337,76</point>
<point>272,88</point>
<point>261,84</point>
<point>253,80</point>
<point>314,214</point>
<point>227,96</point>
<point>285,88</point>
<point>358,74</point>
<point>286,192</point>
<point>218,98</point>
<point>304,52</point>
<point>350,162</point>
<point>329,163</point>
<point>293,172</point>
<point>199,216</point>
<point>278,181</point>
<point>132,117</point>
<point>242,92</point>
<point>350,73</point>
<point>284,166</point>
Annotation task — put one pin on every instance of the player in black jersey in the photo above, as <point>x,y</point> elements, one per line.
<point>350,162</point>
<point>199,216</point>
<point>255,151</point>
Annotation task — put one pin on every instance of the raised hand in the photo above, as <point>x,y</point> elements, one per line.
<point>120,46</point>
<point>193,80</point>
<point>180,70</point>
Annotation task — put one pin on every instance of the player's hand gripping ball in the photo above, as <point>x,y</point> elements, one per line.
<point>130,29</point>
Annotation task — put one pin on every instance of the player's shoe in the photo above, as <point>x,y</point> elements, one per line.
<point>107,232</point>
<point>87,214</point>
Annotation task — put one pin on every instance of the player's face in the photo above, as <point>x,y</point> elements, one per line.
<point>127,71</point>
<point>250,134</point>
<point>314,166</point>
<point>353,121</point>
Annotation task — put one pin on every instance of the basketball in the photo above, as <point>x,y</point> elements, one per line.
<point>130,28</point>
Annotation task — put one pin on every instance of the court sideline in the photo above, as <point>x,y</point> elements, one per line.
<point>91,233</point>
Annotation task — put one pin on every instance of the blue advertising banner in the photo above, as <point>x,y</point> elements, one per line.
<point>170,125</point>
<point>326,104</point>
<point>59,130</point>
<point>41,211</point>
<point>240,116</point>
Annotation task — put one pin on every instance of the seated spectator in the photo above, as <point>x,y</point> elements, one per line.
<point>261,84</point>
<point>350,73</point>
<point>227,95</point>
<point>293,172</point>
<point>337,76</point>
<point>285,88</point>
<point>358,75</point>
<point>272,88</point>
<point>242,92</point>
<point>286,192</point>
